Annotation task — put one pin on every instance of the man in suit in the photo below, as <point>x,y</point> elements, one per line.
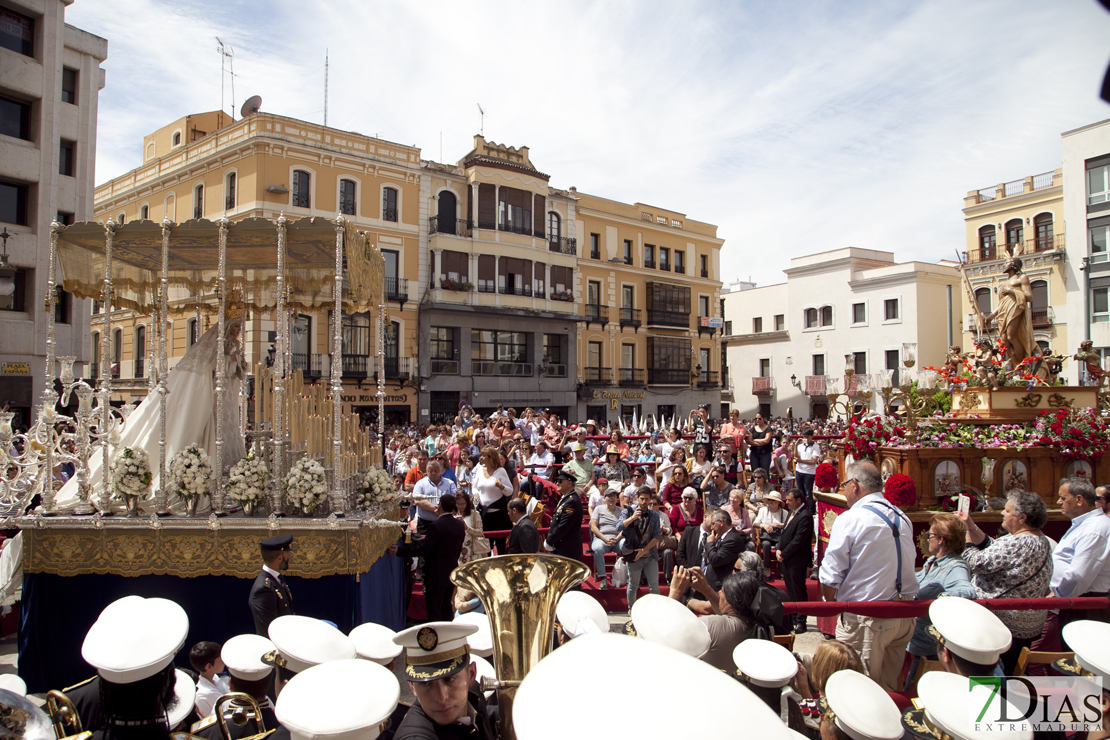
<point>525,538</point>
<point>691,545</point>
<point>270,595</point>
<point>440,548</point>
<point>723,545</point>
<point>795,551</point>
<point>564,537</point>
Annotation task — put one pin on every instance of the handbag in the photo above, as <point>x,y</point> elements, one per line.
<point>620,573</point>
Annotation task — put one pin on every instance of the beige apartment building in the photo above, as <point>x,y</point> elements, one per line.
<point>510,292</point>
<point>1025,218</point>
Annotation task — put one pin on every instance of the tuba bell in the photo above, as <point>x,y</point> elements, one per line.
<point>519,593</point>
<point>240,714</point>
<point>63,715</point>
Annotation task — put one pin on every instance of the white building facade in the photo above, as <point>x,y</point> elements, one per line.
<point>845,306</point>
<point>1086,165</point>
<point>50,78</point>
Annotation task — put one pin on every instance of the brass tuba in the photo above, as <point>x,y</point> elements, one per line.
<point>63,715</point>
<point>519,593</point>
<point>240,715</point>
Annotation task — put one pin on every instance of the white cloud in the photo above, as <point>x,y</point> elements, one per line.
<point>796,127</point>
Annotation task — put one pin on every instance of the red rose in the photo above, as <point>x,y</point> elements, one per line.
<point>825,476</point>
<point>900,490</point>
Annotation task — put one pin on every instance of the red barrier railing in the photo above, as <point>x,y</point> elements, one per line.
<point>902,609</point>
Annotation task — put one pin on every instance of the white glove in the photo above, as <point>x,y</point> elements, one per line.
<point>548,547</point>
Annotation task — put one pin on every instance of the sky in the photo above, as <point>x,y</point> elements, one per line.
<point>796,127</point>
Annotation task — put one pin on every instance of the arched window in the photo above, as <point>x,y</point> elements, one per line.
<point>176,138</point>
<point>389,204</point>
<point>983,300</point>
<point>198,201</point>
<point>122,218</point>
<point>986,243</point>
<point>826,316</point>
<point>811,318</point>
<point>117,351</point>
<point>347,197</point>
<point>144,212</point>
<point>554,227</point>
<point>302,182</point>
<point>1043,224</point>
<point>140,351</point>
<point>229,191</point>
<point>1015,476</point>
<point>1015,233</point>
<point>445,212</point>
<point>191,335</point>
<point>1040,303</point>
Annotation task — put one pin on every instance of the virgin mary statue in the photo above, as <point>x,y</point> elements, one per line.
<point>190,416</point>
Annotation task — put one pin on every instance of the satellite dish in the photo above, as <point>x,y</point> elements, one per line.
<point>252,106</point>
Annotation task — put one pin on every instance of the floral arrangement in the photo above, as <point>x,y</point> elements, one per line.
<point>865,436</point>
<point>190,472</point>
<point>130,473</point>
<point>1074,432</point>
<point>306,485</point>
<point>900,490</point>
<point>378,489</point>
<point>452,284</point>
<point>562,295</point>
<point>825,477</point>
<point>246,481</point>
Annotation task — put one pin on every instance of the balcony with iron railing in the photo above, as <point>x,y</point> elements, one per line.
<point>630,377</point>
<point>763,385</point>
<point>667,317</point>
<point>1020,249</point>
<point>229,203</point>
<point>705,273</point>
<point>815,385</point>
<point>355,366</point>
<point>311,365</point>
<point>668,376</point>
<point>397,289</point>
<point>486,286</point>
<point>594,312</point>
<point>450,226</point>
<point>519,228</point>
<point>598,376</point>
<point>630,317</point>
<point>389,214</point>
<point>562,244</point>
<point>521,290</point>
<point>650,264</point>
<point>708,379</point>
<point>396,368</point>
<point>487,367</point>
<point>138,368</point>
<point>1043,317</point>
<point>445,367</point>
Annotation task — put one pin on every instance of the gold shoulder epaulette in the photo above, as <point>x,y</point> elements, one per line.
<point>201,724</point>
<point>78,685</point>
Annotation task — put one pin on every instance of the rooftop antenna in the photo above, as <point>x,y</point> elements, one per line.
<point>252,106</point>
<point>325,88</point>
<point>482,124</point>
<point>227,66</point>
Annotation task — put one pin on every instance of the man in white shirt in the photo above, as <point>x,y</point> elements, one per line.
<point>870,557</point>
<point>542,458</point>
<point>427,492</point>
<point>1081,560</point>
<point>806,456</point>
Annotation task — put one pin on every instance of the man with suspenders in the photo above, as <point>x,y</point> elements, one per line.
<point>870,557</point>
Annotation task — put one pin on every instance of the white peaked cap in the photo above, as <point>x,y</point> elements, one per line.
<point>580,613</point>
<point>690,681</point>
<point>340,700</point>
<point>135,638</point>
<point>663,620</point>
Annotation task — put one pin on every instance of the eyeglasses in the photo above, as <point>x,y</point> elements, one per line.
<point>931,535</point>
<point>850,480</point>
<point>1100,498</point>
<point>687,498</point>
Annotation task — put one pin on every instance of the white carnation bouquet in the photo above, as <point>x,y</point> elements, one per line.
<point>246,481</point>
<point>130,473</point>
<point>306,485</point>
<point>378,489</point>
<point>190,473</point>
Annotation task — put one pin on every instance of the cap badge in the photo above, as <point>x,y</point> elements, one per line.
<point>427,639</point>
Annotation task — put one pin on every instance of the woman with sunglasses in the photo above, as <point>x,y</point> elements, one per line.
<point>672,491</point>
<point>761,443</point>
<point>756,490</point>
<point>945,572</point>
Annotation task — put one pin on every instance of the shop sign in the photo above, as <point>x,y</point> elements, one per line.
<point>402,398</point>
<point>614,396</point>
<point>15,368</point>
